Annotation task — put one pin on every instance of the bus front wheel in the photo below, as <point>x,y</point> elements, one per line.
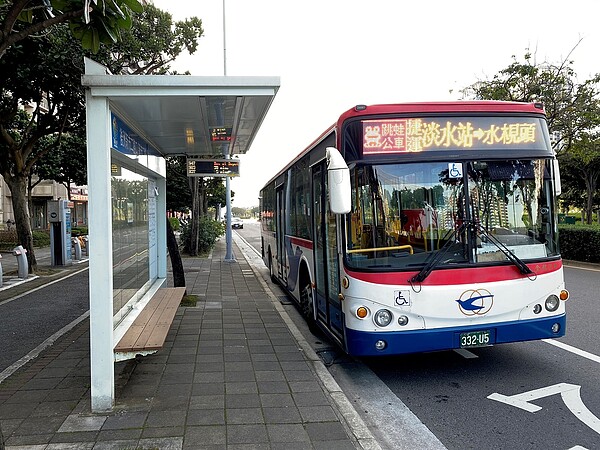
<point>306,303</point>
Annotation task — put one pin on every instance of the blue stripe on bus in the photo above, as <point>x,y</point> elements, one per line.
<point>362,343</point>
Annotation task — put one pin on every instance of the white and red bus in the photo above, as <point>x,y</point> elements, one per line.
<point>422,226</point>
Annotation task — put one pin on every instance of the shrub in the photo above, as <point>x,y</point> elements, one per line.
<point>8,239</point>
<point>175,224</point>
<point>41,239</point>
<point>208,232</point>
<point>79,231</point>
<point>580,242</point>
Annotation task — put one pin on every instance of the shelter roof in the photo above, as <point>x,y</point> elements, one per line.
<point>187,115</point>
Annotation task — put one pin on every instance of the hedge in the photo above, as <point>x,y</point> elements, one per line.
<point>580,242</point>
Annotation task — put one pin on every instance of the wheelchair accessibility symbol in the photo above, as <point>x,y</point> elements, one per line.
<point>455,170</point>
<point>402,298</point>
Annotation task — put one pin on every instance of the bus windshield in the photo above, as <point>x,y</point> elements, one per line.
<point>403,214</point>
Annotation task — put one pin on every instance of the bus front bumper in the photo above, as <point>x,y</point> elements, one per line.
<point>361,343</point>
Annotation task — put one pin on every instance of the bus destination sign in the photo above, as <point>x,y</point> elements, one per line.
<point>422,134</point>
<point>213,167</point>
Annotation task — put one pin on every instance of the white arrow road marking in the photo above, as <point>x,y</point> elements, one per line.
<point>570,394</point>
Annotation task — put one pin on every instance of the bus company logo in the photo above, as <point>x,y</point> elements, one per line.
<point>475,302</point>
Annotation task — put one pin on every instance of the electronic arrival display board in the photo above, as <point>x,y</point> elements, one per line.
<point>213,167</point>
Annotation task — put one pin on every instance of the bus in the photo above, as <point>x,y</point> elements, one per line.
<point>421,227</point>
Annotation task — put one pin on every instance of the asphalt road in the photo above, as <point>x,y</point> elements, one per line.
<point>35,317</point>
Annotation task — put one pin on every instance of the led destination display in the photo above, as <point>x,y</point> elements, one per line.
<point>213,168</point>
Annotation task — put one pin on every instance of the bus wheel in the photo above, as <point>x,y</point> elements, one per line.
<point>271,274</point>
<point>306,304</point>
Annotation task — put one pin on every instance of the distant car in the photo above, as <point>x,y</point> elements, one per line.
<point>236,222</point>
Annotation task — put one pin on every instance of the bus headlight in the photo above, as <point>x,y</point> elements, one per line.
<point>382,318</point>
<point>552,303</point>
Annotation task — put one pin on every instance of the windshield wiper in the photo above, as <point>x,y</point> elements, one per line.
<point>523,268</point>
<point>428,268</point>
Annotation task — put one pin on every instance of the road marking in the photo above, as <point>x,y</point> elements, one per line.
<point>465,353</point>
<point>43,286</point>
<point>574,350</point>
<point>36,351</point>
<point>570,393</point>
<point>592,269</point>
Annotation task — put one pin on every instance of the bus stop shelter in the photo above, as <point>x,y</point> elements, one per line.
<point>133,123</point>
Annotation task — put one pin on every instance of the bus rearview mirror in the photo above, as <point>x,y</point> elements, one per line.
<point>338,182</point>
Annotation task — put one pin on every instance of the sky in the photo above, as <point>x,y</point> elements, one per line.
<point>334,54</point>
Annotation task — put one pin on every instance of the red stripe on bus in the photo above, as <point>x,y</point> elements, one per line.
<point>301,242</point>
<point>457,276</point>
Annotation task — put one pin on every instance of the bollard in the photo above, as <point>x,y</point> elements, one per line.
<point>77,246</point>
<point>86,245</point>
<point>21,255</point>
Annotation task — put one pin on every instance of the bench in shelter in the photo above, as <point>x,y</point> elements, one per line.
<point>148,332</point>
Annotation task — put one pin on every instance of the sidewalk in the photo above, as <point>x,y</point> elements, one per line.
<point>234,373</point>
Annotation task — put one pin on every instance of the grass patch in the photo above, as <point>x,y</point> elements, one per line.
<point>189,300</point>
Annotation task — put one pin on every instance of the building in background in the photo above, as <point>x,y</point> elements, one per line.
<point>41,194</point>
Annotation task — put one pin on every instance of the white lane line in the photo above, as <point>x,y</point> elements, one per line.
<point>40,348</point>
<point>592,269</point>
<point>574,350</point>
<point>465,353</point>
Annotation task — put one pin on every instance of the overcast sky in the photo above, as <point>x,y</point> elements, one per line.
<point>334,54</point>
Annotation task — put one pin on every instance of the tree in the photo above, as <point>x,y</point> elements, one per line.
<point>581,165</point>
<point>571,108</point>
<point>572,111</point>
<point>90,21</point>
<point>152,44</point>
<point>179,195</point>
<point>45,73</point>
<point>50,85</point>
<point>65,164</point>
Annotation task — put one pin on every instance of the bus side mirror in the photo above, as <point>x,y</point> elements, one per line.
<point>557,183</point>
<point>338,182</point>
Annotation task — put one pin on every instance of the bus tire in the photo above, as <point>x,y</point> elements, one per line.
<point>306,303</point>
<point>271,274</point>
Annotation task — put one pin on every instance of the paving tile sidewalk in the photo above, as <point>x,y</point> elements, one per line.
<point>231,375</point>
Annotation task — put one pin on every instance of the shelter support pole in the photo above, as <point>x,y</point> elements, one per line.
<point>100,268</point>
<point>228,233</point>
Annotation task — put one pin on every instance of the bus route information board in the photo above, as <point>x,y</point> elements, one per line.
<point>213,168</point>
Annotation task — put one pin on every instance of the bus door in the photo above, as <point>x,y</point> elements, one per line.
<point>280,234</point>
<point>327,277</point>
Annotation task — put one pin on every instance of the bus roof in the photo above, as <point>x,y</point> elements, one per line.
<point>444,107</point>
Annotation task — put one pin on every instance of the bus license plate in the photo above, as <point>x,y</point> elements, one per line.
<point>475,339</point>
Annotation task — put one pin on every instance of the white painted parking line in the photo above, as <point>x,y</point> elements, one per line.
<point>574,350</point>
<point>465,353</point>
